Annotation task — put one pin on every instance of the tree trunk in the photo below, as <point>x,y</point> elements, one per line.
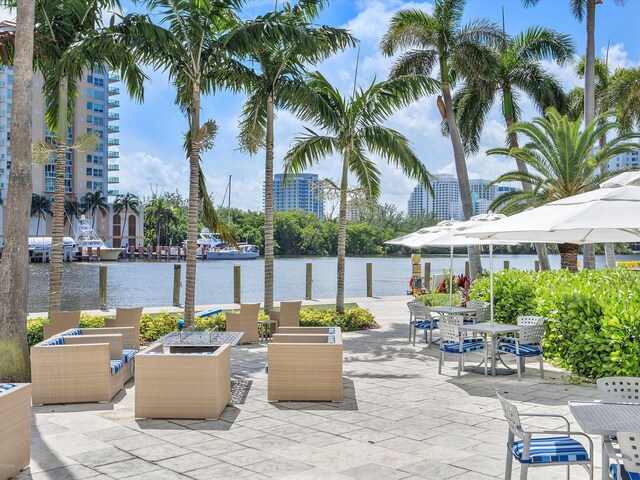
<point>194,202</point>
<point>569,256</point>
<point>463,176</point>
<point>589,257</point>
<point>14,268</point>
<point>342,232</point>
<point>268,210</point>
<point>38,225</point>
<point>509,117</point>
<point>609,248</point>
<point>122,229</point>
<point>57,229</point>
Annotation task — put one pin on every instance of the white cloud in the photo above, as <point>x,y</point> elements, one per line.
<point>617,57</point>
<point>141,173</point>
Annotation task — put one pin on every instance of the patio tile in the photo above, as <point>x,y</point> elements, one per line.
<point>127,469</point>
<point>373,471</point>
<point>278,467</point>
<point>184,463</point>
<point>224,471</point>
<point>163,451</point>
<point>432,469</point>
<point>103,456</point>
<point>71,472</point>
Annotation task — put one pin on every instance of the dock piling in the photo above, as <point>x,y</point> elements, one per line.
<point>177,276</point>
<point>369,279</point>
<point>309,284</point>
<point>236,284</point>
<point>102,297</point>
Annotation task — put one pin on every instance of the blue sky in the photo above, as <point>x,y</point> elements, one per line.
<point>151,133</point>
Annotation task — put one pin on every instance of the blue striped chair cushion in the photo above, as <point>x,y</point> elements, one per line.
<point>128,354</point>
<point>331,339</point>
<point>426,325</point>
<point>6,386</point>
<point>75,331</point>
<point>116,366</point>
<point>331,331</point>
<point>552,450</point>
<point>466,347</point>
<point>624,475</point>
<point>525,350</point>
<point>54,341</point>
<point>507,340</point>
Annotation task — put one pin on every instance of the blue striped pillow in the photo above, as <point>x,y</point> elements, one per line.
<point>6,386</point>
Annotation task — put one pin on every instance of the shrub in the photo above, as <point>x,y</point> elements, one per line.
<point>438,299</point>
<point>593,326</point>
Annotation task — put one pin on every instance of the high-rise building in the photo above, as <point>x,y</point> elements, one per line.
<point>300,192</point>
<point>446,203</point>
<point>86,172</point>
<point>625,160</point>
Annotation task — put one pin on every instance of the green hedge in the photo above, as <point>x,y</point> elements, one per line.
<point>593,327</point>
<point>439,299</point>
<point>153,327</point>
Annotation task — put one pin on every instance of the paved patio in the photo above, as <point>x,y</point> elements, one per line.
<point>399,420</point>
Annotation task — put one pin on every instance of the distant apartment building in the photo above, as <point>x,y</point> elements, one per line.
<point>625,160</point>
<point>86,172</point>
<point>446,203</point>
<point>300,192</point>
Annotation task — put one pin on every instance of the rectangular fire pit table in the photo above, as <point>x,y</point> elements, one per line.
<point>193,341</point>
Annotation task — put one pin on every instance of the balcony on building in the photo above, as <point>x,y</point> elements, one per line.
<point>114,91</point>
<point>113,129</point>
<point>114,103</point>
<point>113,193</point>
<point>113,154</point>
<point>113,180</point>
<point>113,167</point>
<point>113,141</point>
<point>113,116</point>
<point>113,78</point>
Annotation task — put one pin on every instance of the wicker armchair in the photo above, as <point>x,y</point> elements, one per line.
<point>305,367</point>
<point>182,385</point>
<point>246,321</point>
<point>77,369</point>
<point>288,316</point>
<point>61,321</point>
<point>15,425</point>
<point>127,317</point>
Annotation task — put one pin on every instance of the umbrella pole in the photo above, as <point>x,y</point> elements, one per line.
<point>491,278</point>
<point>451,277</point>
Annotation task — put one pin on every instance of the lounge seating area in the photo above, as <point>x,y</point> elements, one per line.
<point>15,428</point>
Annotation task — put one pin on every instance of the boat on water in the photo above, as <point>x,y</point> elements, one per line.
<point>211,247</point>
<point>40,248</point>
<point>86,238</point>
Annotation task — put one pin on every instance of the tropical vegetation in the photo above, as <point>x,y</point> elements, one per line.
<point>563,163</point>
<point>40,207</point>
<point>352,127</point>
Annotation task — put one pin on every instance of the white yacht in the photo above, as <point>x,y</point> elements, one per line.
<point>86,237</point>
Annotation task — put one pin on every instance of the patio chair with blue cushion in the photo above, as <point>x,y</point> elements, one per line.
<point>552,447</point>
<point>524,321</point>
<point>483,312</point>
<point>619,390</point>
<point>527,343</point>
<point>422,320</point>
<point>412,305</point>
<point>625,463</point>
<point>453,342</point>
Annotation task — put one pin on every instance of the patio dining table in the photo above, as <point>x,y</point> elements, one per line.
<point>493,329</point>
<point>605,419</point>
<point>452,310</point>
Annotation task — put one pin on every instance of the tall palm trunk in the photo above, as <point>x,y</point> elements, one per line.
<point>509,117</point>
<point>57,229</point>
<point>461,171</point>
<point>268,210</point>
<point>342,232</point>
<point>14,268</point>
<point>122,230</point>
<point>609,248</point>
<point>38,224</point>
<point>590,99</point>
<point>569,256</point>
<point>194,199</point>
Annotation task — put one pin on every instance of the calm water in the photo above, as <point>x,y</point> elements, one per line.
<point>150,284</point>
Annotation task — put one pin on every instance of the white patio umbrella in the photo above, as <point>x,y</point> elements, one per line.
<point>606,215</point>
<point>444,235</point>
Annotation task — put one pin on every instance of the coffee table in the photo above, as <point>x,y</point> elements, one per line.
<point>194,341</point>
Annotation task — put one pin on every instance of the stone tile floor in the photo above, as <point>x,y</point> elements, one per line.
<point>399,420</point>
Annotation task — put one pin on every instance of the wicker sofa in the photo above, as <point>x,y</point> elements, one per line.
<point>15,425</point>
<point>78,368</point>
<point>127,317</point>
<point>182,385</point>
<point>61,321</point>
<point>305,364</point>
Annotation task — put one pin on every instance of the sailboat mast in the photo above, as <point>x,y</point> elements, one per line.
<point>229,208</point>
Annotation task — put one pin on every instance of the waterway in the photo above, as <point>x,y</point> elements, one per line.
<point>150,283</point>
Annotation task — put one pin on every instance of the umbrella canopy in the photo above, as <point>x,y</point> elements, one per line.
<point>606,215</point>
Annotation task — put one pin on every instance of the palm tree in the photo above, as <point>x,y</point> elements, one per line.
<point>516,68</point>
<point>276,84</point>
<point>190,51</point>
<point>126,202</point>
<point>581,9</point>
<point>71,40</point>
<point>93,203</point>
<point>439,39</point>
<point>563,164</point>
<point>71,209</point>
<point>40,206</point>
<point>354,130</point>
<point>623,96</point>
<point>14,268</point>
<point>159,212</point>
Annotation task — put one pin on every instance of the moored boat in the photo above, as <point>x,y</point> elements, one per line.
<point>87,238</point>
